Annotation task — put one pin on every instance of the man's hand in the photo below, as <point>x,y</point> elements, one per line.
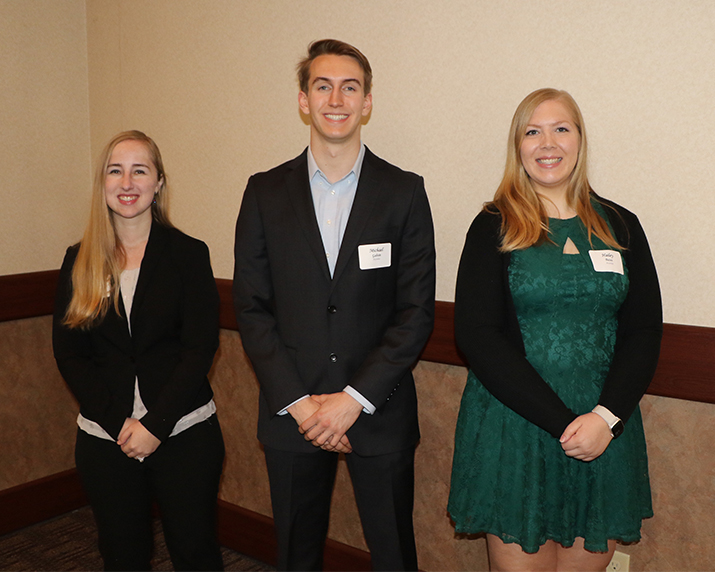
<point>586,437</point>
<point>326,428</point>
<point>136,441</point>
<point>306,408</point>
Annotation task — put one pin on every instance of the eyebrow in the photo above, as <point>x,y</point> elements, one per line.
<point>133,165</point>
<point>329,80</point>
<point>550,123</point>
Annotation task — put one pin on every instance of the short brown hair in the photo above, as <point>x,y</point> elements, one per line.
<point>333,48</point>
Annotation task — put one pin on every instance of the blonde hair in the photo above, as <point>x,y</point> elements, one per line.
<point>524,218</point>
<point>100,260</point>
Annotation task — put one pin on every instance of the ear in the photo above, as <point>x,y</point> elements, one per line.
<point>303,103</point>
<point>367,105</point>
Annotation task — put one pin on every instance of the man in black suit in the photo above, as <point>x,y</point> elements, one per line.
<point>334,295</point>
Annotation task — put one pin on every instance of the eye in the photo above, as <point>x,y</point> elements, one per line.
<point>323,87</point>
<point>113,171</point>
<point>531,132</point>
<point>349,88</point>
<point>140,172</point>
<point>562,129</point>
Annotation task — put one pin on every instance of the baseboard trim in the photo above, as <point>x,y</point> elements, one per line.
<point>252,534</point>
<point>239,529</point>
<point>40,500</point>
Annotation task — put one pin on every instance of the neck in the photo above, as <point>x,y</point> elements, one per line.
<point>132,233</point>
<point>556,203</point>
<point>335,160</point>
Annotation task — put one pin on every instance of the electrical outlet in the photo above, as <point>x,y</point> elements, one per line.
<point>619,563</point>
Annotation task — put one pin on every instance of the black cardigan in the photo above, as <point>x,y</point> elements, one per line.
<point>175,328</point>
<point>488,333</point>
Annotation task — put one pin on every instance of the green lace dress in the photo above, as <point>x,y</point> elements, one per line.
<point>509,477</point>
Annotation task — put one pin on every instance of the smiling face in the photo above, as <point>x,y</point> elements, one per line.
<point>336,100</point>
<point>550,147</point>
<point>130,181</point>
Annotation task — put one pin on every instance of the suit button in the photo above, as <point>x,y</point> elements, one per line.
<point>332,309</point>
<point>333,358</point>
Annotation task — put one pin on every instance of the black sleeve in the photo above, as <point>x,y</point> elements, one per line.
<point>199,338</point>
<point>487,332</point>
<point>640,322</point>
<point>75,359</point>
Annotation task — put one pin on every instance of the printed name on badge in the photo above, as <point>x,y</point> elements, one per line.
<point>606,261</point>
<point>373,256</point>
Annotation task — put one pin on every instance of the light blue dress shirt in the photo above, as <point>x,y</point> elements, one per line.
<point>333,203</point>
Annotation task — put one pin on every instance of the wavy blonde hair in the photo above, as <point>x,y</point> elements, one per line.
<point>524,218</point>
<point>100,260</point>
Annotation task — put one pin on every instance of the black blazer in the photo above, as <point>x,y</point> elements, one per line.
<point>306,333</point>
<point>174,338</point>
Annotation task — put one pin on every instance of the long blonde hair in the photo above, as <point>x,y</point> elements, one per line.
<point>525,221</point>
<point>100,260</point>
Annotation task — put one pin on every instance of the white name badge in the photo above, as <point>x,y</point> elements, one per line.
<point>375,255</point>
<point>606,261</point>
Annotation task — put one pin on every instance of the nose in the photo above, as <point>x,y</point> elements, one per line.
<point>126,180</point>
<point>547,139</point>
<point>336,98</point>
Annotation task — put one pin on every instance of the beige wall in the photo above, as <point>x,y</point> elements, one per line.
<point>44,131</point>
<point>213,82</point>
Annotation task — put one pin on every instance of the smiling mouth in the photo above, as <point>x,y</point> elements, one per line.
<point>127,198</point>
<point>336,116</point>
<point>549,161</point>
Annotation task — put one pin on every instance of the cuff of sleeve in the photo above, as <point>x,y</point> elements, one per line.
<point>284,411</point>
<point>605,414</point>
<point>367,407</point>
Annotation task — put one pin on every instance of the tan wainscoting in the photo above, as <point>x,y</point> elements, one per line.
<point>686,371</point>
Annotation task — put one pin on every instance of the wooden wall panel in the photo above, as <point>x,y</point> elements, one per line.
<point>686,369</point>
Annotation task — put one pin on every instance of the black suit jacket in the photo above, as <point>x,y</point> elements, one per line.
<point>171,348</point>
<point>306,333</point>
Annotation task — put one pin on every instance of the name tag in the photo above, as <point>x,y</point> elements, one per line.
<point>375,255</point>
<point>606,261</point>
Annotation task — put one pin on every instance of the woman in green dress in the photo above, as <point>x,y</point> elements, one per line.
<point>558,313</point>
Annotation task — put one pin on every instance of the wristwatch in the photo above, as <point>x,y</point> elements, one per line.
<point>614,423</point>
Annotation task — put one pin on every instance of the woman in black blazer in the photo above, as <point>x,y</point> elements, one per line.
<point>135,332</point>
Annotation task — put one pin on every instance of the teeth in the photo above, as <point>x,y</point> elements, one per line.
<point>335,117</point>
<point>549,161</point>
<point>126,198</point>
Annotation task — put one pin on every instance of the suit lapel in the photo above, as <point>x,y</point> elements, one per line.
<point>366,197</point>
<point>155,246</point>
<point>298,188</point>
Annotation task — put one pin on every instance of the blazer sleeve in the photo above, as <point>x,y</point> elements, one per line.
<point>640,323</point>
<point>387,364</point>
<point>253,300</point>
<point>76,361</point>
<point>199,340</point>
<point>487,331</point>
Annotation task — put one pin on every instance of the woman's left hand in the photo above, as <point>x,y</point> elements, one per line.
<point>136,441</point>
<point>586,437</point>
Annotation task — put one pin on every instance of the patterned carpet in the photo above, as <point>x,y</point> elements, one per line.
<point>69,542</point>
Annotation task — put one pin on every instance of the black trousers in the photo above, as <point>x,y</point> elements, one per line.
<point>301,490</point>
<point>182,475</point>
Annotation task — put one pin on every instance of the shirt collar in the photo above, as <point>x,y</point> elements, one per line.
<point>357,167</point>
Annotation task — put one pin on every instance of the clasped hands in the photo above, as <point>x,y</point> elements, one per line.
<point>586,437</point>
<point>136,441</point>
<point>324,419</point>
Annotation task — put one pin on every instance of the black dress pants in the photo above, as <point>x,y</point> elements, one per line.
<point>182,475</point>
<point>301,490</point>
